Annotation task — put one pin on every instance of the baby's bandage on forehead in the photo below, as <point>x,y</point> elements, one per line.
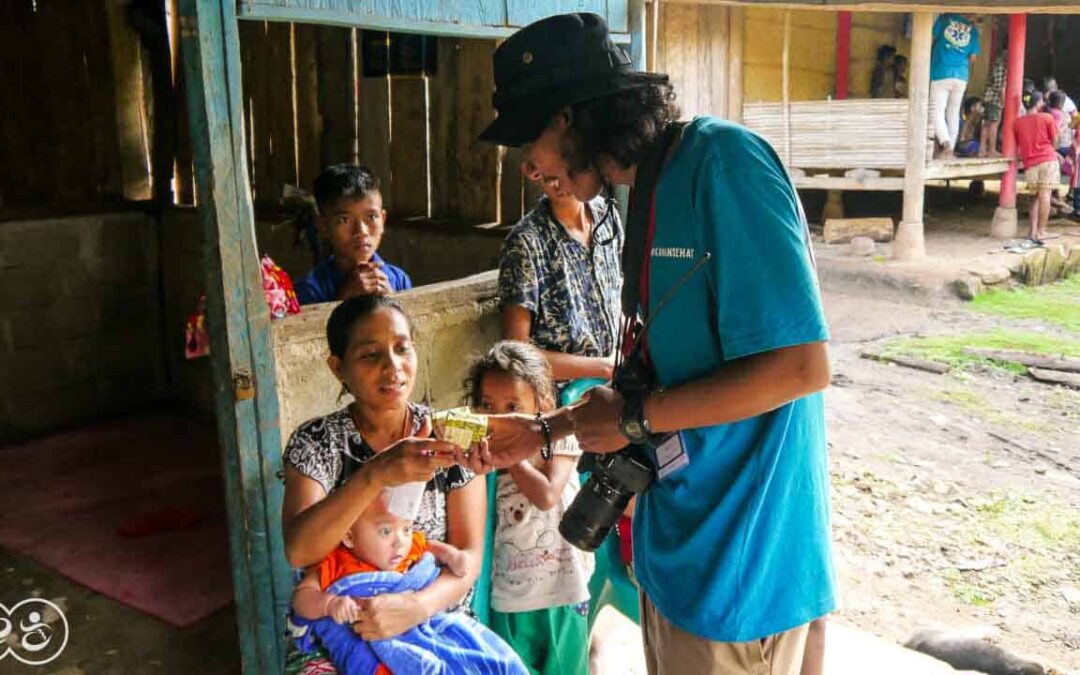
<point>403,501</point>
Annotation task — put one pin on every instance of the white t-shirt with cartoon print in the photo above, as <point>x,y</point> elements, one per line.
<point>533,567</point>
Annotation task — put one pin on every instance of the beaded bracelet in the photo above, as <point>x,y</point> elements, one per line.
<point>545,452</point>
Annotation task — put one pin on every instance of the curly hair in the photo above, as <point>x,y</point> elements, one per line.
<point>520,359</point>
<point>621,126</point>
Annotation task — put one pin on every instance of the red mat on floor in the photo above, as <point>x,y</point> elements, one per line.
<point>133,509</point>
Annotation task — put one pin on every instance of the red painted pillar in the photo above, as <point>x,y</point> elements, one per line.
<point>1013,89</point>
<point>843,53</point>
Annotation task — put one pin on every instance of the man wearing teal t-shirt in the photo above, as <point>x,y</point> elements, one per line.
<point>731,540</point>
<point>954,48</point>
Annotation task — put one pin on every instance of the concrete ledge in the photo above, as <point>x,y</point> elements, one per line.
<point>454,320</point>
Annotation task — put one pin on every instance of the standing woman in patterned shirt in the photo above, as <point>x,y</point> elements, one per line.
<point>336,465</point>
<point>560,280</point>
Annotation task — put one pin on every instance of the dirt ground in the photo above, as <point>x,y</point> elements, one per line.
<point>956,503</point>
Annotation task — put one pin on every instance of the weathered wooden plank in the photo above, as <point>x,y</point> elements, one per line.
<point>841,230</point>
<point>1044,362</point>
<point>1055,377</point>
<point>524,12</point>
<point>308,121</point>
<point>443,97</point>
<point>908,362</point>
<point>478,187</point>
<point>26,150</point>
<point>243,363</point>
<point>373,127</point>
<point>511,186</point>
<point>337,92</point>
<point>478,12</point>
<point>409,148</point>
<point>185,164</point>
<point>131,149</point>
<point>279,120</point>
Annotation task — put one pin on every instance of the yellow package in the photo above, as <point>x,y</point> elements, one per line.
<point>460,426</point>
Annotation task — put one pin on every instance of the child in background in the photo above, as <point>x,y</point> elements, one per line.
<point>382,553</point>
<point>900,76</point>
<point>539,582</point>
<point>1036,135</point>
<point>968,143</point>
<point>351,218</point>
<point>993,100</point>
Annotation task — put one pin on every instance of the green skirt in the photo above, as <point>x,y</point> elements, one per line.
<point>551,641</point>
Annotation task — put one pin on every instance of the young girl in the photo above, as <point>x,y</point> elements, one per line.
<point>539,582</point>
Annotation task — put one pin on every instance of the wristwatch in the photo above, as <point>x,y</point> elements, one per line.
<point>632,422</point>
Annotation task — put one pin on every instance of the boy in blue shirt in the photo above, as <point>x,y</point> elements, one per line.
<point>731,540</point>
<point>953,51</point>
<point>351,219</point>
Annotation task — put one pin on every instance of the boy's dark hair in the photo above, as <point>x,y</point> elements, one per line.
<point>1049,83</point>
<point>1056,99</point>
<point>354,309</point>
<point>900,58</point>
<point>884,52</point>
<point>1032,99</point>
<point>1029,84</point>
<point>970,103</point>
<point>520,359</point>
<point>622,126</point>
<point>343,180</point>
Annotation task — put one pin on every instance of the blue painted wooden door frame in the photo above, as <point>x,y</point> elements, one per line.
<point>239,321</point>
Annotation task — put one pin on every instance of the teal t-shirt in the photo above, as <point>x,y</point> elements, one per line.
<point>955,40</point>
<point>735,546</point>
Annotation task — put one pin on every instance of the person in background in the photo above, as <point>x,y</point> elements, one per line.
<point>993,100</point>
<point>955,46</point>
<point>900,89</point>
<point>1036,135</point>
<point>881,80</point>
<point>968,144</point>
<point>351,219</point>
<point>1068,106</point>
<point>559,281</point>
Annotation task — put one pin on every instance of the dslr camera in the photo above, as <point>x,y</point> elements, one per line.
<point>615,476</point>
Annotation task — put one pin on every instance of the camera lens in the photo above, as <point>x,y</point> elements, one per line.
<point>593,513</point>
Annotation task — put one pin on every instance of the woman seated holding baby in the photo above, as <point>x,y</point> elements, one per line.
<point>338,466</point>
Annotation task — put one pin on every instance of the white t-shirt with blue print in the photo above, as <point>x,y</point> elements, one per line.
<point>736,545</point>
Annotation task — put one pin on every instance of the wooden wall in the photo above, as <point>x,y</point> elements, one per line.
<point>308,104</point>
<point>58,131</point>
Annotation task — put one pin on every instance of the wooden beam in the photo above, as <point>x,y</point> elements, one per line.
<point>959,6</point>
<point>910,243</point>
<point>964,169</point>
<point>785,80</point>
<point>736,31</point>
<point>882,184</point>
<point>239,321</point>
<point>1004,223</point>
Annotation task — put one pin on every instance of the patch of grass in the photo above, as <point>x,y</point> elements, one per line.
<point>1057,304</point>
<point>1031,523</point>
<point>949,349</point>
<point>975,403</point>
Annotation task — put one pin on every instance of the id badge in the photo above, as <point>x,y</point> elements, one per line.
<point>671,455</point>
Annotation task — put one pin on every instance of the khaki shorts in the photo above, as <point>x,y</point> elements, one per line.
<point>672,651</point>
<point>1043,176</point>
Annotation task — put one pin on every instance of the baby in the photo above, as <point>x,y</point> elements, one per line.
<point>382,553</point>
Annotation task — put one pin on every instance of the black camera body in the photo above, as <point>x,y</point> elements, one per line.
<point>615,476</point>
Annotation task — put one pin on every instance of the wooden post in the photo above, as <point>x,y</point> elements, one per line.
<point>843,53</point>
<point>909,243</point>
<point>785,95</point>
<point>1003,224</point>
<point>736,29</point>
<point>239,321</point>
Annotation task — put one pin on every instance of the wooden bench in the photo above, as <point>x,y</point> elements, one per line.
<point>853,144</point>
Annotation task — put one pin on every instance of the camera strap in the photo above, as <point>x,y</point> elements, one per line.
<point>640,227</point>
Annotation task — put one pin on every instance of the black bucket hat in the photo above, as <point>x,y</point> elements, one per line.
<point>553,63</point>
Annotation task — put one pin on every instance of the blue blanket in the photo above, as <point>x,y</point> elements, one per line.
<point>447,643</point>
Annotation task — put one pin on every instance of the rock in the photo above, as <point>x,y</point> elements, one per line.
<point>840,230</point>
<point>919,504</point>
<point>1055,264</point>
<point>861,247</point>
<point>939,420</point>
<point>1072,261</point>
<point>1040,470</point>
<point>1031,270</point>
<point>968,287</point>
<point>996,276</point>
<point>1071,595</point>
